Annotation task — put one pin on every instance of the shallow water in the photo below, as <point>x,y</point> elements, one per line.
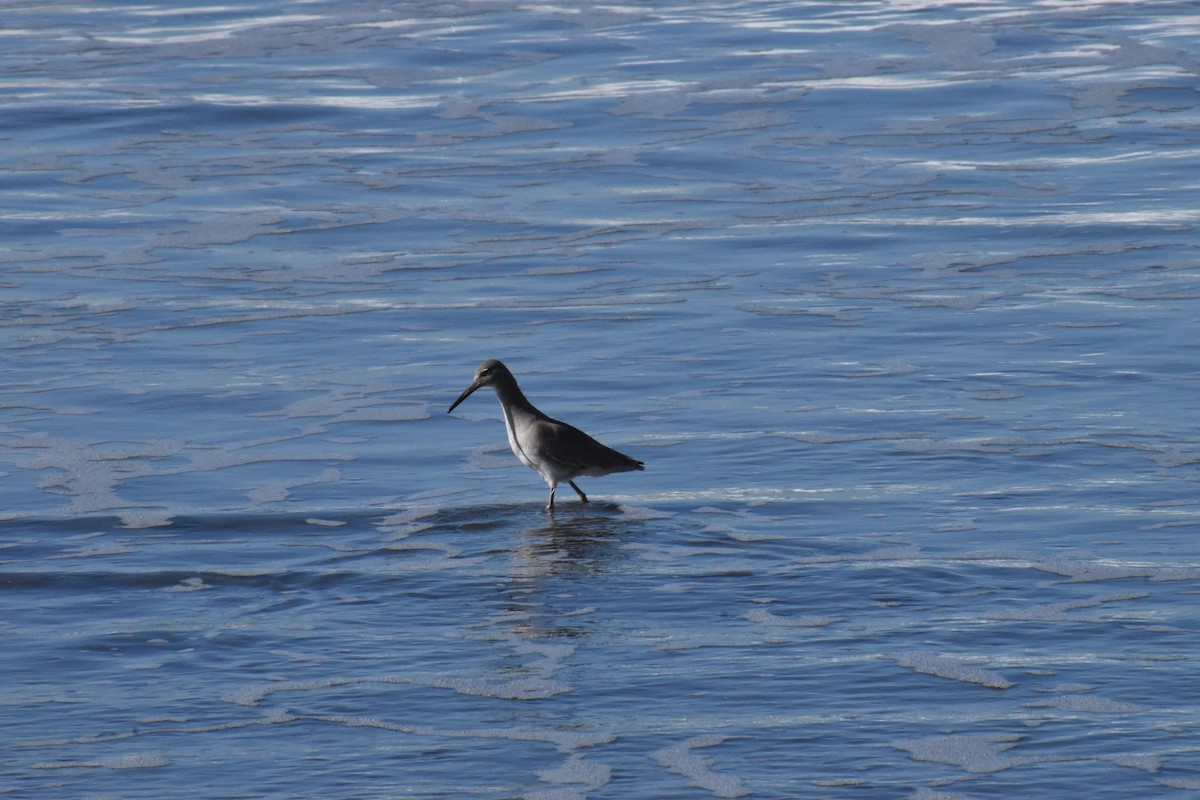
<point>897,301</point>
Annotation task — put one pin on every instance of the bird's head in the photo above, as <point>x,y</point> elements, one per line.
<point>489,373</point>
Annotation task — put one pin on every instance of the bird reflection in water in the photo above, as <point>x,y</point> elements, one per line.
<point>558,565</point>
<point>579,543</point>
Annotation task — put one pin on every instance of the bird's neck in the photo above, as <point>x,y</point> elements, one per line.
<point>511,397</point>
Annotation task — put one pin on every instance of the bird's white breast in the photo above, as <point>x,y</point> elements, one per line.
<point>520,437</point>
<point>523,430</point>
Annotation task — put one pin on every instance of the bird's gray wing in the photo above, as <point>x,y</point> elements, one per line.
<point>570,446</point>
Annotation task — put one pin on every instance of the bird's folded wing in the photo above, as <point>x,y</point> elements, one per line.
<point>568,445</point>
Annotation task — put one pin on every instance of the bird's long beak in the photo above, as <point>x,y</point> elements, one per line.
<point>464,396</point>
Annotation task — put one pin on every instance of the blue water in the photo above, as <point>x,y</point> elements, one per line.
<point>897,301</point>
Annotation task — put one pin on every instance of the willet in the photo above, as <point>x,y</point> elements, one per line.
<point>558,451</point>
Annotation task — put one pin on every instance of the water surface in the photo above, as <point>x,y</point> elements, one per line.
<point>897,302</point>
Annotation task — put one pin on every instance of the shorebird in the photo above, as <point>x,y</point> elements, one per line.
<point>557,451</point>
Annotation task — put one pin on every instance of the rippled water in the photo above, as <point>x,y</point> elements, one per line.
<point>898,302</point>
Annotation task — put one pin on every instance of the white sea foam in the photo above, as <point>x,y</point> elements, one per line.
<point>943,666</point>
<point>764,617</point>
<point>680,759</point>
<point>978,754</point>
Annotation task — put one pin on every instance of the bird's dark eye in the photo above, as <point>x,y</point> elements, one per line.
<point>486,371</point>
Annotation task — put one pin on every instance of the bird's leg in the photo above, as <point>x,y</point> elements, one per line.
<point>550,505</point>
<point>578,491</point>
